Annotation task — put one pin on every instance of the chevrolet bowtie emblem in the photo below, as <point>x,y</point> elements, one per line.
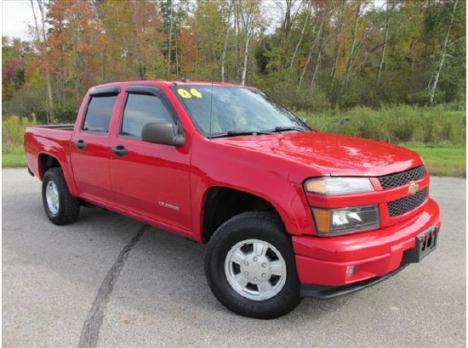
<point>413,188</point>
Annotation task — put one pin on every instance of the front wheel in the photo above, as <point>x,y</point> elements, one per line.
<point>250,266</point>
<point>60,206</point>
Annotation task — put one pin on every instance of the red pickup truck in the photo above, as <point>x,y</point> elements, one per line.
<point>286,211</point>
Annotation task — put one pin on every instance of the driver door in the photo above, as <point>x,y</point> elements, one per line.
<point>148,179</point>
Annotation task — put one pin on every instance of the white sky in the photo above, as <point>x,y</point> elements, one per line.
<point>16,16</point>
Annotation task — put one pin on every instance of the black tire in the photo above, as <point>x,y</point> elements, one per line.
<point>263,226</point>
<point>68,207</point>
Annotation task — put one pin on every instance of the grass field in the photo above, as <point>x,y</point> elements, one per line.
<point>441,161</point>
<point>12,159</point>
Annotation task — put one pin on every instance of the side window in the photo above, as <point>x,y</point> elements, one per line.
<point>140,110</point>
<point>99,113</point>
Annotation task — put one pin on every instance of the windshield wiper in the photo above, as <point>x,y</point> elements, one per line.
<point>288,128</point>
<point>239,133</point>
<point>275,130</point>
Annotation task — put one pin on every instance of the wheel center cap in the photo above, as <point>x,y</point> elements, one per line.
<point>256,269</point>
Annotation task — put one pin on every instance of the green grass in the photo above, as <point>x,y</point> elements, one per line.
<point>442,161</point>
<point>13,159</point>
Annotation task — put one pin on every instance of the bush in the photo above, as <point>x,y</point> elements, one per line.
<point>26,102</point>
<point>439,125</point>
<point>13,132</point>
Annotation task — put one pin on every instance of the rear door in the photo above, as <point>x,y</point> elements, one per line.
<point>90,148</point>
<point>150,179</point>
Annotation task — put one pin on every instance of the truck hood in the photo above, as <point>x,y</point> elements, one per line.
<point>330,154</point>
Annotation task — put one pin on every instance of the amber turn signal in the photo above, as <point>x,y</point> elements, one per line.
<point>322,220</point>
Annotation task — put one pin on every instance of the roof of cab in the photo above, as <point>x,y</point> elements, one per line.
<point>168,83</point>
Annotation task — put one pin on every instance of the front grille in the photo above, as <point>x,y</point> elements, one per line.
<point>406,204</point>
<point>402,178</point>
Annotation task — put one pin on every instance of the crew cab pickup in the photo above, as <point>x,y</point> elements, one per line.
<point>286,211</point>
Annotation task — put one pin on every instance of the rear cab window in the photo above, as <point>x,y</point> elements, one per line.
<point>99,113</point>
<point>140,110</point>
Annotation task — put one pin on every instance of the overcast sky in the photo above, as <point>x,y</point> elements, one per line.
<point>16,16</point>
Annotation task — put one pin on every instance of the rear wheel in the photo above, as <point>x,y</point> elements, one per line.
<point>250,266</point>
<point>60,206</point>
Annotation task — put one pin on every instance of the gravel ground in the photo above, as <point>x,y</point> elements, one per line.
<point>110,281</point>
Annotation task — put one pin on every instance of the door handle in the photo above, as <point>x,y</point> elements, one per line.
<point>80,144</point>
<point>120,150</point>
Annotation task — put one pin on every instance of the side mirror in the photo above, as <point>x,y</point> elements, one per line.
<point>162,132</point>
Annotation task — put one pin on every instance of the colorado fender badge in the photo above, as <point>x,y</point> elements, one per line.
<point>168,205</point>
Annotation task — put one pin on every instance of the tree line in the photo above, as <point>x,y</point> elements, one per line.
<point>309,54</point>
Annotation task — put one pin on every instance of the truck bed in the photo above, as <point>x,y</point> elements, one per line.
<point>47,139</point>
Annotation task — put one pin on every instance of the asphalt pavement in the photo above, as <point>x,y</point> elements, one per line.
<point>109,281</point>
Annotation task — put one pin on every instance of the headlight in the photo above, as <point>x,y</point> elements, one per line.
<point>346,220</point>
<point>333,186</point>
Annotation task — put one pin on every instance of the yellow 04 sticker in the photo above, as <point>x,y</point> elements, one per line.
<point>184,93</point>
<point>196,93</point>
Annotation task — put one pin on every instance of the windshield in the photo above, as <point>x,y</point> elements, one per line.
<point>235,111</point>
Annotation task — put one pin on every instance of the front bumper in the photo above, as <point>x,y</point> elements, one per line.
<point>323,263</point>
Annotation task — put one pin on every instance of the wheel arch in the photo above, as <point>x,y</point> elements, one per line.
<point>47,161</point>
<point>220,203</point>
